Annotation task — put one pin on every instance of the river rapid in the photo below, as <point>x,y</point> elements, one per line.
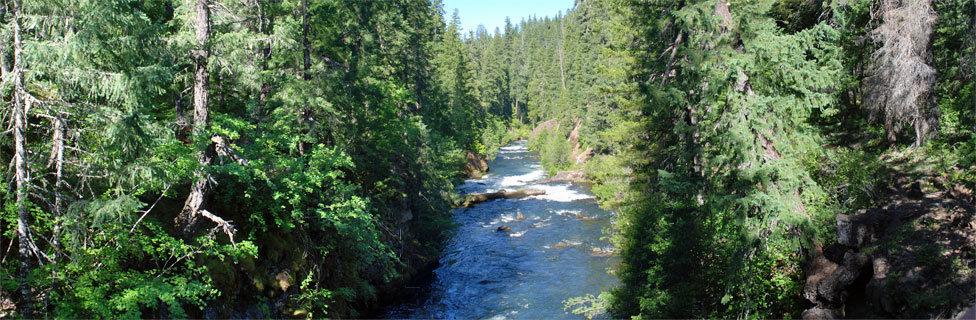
<point>553,251</point>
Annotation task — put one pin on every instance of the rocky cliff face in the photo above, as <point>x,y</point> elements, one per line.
<point>475,165</point>
<point>913,258</point>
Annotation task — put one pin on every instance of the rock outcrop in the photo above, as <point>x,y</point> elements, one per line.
<point>547,125</point>
<point>475,165</point>
<point>914,258</point>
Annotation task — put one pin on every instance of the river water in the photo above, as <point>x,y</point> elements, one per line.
<point>554,253</point>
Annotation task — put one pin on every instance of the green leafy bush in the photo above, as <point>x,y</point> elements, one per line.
<point>555,153</point>
<point>609,175</point>
<point>854,179</point>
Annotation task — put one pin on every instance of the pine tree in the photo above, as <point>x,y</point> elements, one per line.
<point>727,197</point>
<point>27,250</point>
<point>901,80</point>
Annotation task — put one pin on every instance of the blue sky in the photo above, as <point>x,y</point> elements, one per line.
<point>492,13</point>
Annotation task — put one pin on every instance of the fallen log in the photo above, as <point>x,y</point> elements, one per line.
<point>476,198</point>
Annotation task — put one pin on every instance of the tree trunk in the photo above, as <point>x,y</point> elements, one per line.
<point>186,220</point>
<point>674,52</point>
<point>305,43</point>
<point>306,67</point>
<point>20,167</point>
<point>267,28</point>
<point>562,43</point>
<point>57,156</point>
<point>516,111</point>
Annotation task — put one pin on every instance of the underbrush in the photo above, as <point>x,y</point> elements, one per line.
<point>609,176</point>
<point>854,179</point>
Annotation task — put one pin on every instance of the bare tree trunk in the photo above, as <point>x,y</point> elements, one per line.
<point>187,219</point>
<point>674,52</point>
<point>57,156</point>
<point>20,167</point>
<point>562,43</point>
<point>267,29</point>
<point>305,43</point>
<point>4,69</point>
<point>306,47</point>
<point>516,111</point>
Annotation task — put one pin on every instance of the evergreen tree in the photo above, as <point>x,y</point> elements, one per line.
<point>728,201</point>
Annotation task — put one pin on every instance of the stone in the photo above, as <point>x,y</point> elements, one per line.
<point>822,313</point>
<point>547,125</point>
<point>832,288</point>
<point>915,190</point>
<point>285,280</point>
<point>818,268</point>
<point>475,165</point>
<point>858,230</point>
<point>584,156</point>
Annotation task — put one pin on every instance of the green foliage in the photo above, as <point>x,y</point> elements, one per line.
<point>495,135</point>
<point>853,178</point>
<point>609,175</point>
<point>313,298</point>
<point>954,46</point>
<point>587,306</point>
<point>112,278</point>
<point>725,203</point>
<point>316,172</point>
<point>555,153</point>
<point>346,125</point>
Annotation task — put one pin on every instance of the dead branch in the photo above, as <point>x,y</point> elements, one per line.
<point>224,150</point>
<point>222,224</point>
<point>144,213</point>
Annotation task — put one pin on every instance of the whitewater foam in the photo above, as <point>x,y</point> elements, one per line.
<point>560,193</point>
<point>521,180</point>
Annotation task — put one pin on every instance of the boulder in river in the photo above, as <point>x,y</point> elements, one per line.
<point>519,216</point>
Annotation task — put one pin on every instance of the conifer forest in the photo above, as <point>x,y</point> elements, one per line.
<point>637,159</point>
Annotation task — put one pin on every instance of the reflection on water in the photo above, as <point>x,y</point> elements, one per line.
<point>552,251</point>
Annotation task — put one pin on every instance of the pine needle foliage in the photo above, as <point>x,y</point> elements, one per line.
<point>728,205</point>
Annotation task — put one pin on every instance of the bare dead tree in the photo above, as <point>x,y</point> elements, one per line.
<point>194,207</point>
<point>187,219</point>
<point>899,88</point>
<point>26,247</point>
<point>57,158</point>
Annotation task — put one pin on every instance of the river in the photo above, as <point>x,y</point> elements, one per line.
<point>555,253</point>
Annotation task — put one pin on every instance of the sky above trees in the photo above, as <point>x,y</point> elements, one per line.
<point>492,14</point>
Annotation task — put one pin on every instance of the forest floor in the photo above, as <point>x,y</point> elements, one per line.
<point>912,256</point>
